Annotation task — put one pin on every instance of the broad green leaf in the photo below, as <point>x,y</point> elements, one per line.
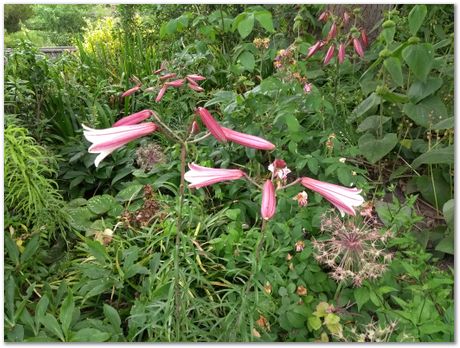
<point>448,212</point>
<point>448,123</point>
<point>436,191</point>
<point>52,325</point>
<point>233,214</point>
<point>314,322</point>
<point>429,111</point>
<point>393,97</point>
<point>66,312</point>
<point>375,149</point>
<point>247,60</point>
<point>361,296</point>
<point>296,320</point>
<point>112,315</point>
<point>420,59</point>
<point>129,193</point>
<point>31,248</point>
<point>435,156</point>
<point>90,335</point>
<point>292,123</point>
<point>40,310</point>
<point>372,123</point>
<point>388,34</point>
<point>416,17</point>
<point>97,250</point>
<point>100,204</point>
<point>420,90</point>
<point>365,106</point>
<point>393,66</point>
<point>447,245</point>
<point>246,25</point>
<point>265,20</point>
<point>321,309</point>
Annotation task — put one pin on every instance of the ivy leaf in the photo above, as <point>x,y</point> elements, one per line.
<point>375,149</point>
<point>247,60</point>
<point>419,58</point>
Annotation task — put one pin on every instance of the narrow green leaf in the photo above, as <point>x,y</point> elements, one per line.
<point>31,248</point>
<point>416,17</point>
<point>435,156</point>
<point>65,314</point>
<point>52,325</point>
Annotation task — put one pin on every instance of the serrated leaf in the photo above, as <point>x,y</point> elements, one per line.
<point>52,325</point>
<point>375,149</point>
<point>129,193</point>
<point>31,248</point>
<point>114,318</point>
<point>314,322</point>
<point>100,204</point>
<point>416,17</point>
<point>97,250</point>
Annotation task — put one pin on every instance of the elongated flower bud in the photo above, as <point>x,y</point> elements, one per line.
<point>358,48</point>
<point>161,93</point>
<point>247,140</point>
<point>341,53</point>
<point>196,77</point>
<point>195,87</point>
<point>332,32</point>
<point>313,49</point>
<point>364,38</point>
<point>168,76</point>
<point>212,125</point>
<point>130,91</point>
<point>268,206</point>
<point>175,83</point>
<point>329,54</point>
<point>134,118</point>
<point>323,16</point>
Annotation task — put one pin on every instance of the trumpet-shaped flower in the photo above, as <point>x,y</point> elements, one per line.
<point>247,140</point>
<point>134,118</point>
<point>105,141</point>
<point>199,176</point>
<point>343,198</point>
<point>131,91</point>
<point>268,206</point>
<point>211,124</point>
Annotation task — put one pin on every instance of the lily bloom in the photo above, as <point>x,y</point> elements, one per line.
<point>200,176</point>
<point>168,76</point>
<point>194,128</point>
<point>268,206</point>
<point>131,91</point>
<point>161,93</point>
<point>247,140</point>
<point>301,198</point>
<point>211,124</point>
<point>105,141</point>
<point>341,54</point>
<point>279,168</point>
<point>343,198</point>
<point>134,118</point>
<point>358,48</point>
<point>329,54</point>
<point>332,32</point>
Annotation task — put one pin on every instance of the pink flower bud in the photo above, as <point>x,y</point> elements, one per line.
<point>194,128</point>
<point>212,125</point>
<point>313,49</point>
<point>332,32</point>
<point>364,38</point>
<point>329,54</point>
<point>358,48</point>
<point>175,83</point>
<point>268,207</point>
<point>195,87</point>
<point>168,76</point>
<point>156,72</point>
<point>341,54</point>
<point>161,93</point>
<point>131,91</point>
<point>196,77</point>
<point>346,18</point>
<point>323,16</point>
<point>307,88</point>
<point>134,118</point>
<point>200,176</point>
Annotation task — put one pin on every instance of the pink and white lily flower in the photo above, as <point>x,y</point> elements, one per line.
<point>343,198</point>
<point>105,141</point>
<point>268,206</point>
<point>200,176</point>
<point>247,140</point>
<point>301,198</point>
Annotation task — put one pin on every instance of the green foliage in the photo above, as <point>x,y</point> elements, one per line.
<point>15,15</point>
